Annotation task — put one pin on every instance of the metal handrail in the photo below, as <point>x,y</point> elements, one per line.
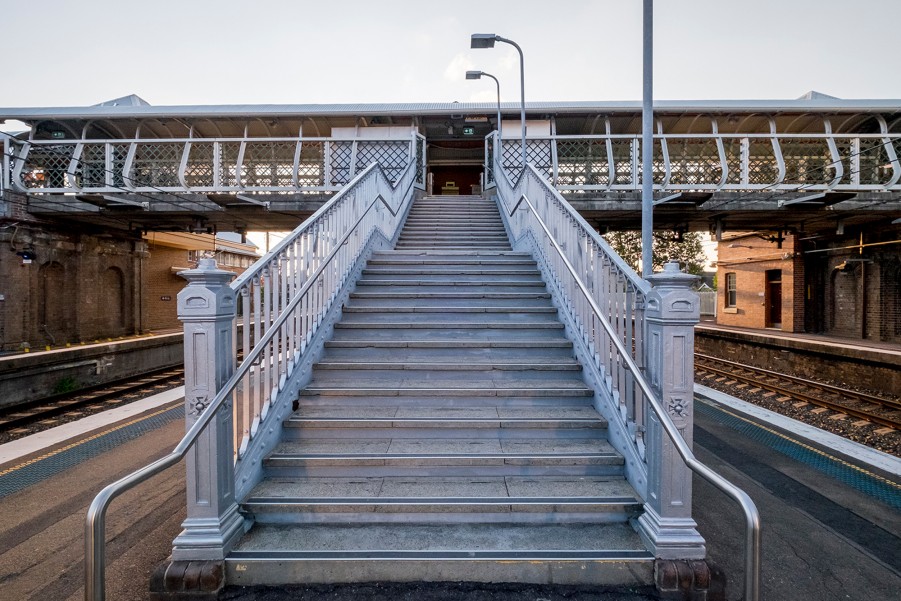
<point>95,520</point>
<point>752,516</point>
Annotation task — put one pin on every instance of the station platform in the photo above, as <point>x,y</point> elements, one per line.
<point>39,374</point>
<point>869,365</point>
<point>830,508</point>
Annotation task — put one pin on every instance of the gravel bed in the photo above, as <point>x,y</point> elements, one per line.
<point>874,436</point>
<point>85,411</point>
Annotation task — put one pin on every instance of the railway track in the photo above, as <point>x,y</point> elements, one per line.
<point>38,415</point>
<point>878,410</point>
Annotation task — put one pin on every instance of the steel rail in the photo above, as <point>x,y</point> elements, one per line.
<point>57,405</point>
<point>95,520</point>
<point>804,396</point>
<point>752,516</point>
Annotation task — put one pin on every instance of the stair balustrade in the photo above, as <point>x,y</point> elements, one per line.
<point>636,339</point>
<point>287,303</point>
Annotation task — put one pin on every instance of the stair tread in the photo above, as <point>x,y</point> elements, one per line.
<point>445,448</point>
<point>436,539</point>
<point>451,490</point>
<point>567,412</point>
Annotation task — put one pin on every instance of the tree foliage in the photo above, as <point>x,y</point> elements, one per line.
<point>689,252</point>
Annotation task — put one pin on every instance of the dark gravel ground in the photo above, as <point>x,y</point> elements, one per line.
<point>865,433</point>
<point>437,591</point>
<point>11,434</point>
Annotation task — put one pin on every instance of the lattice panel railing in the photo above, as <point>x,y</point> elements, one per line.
<point>155,165</point>
<point>92,169</point>
<point>340,162</point>
<point>268,164</point>
<point>311,166</point>
<point>538,153</point>
<point>582,163</point>
<point>807,162</point>
<point>420,161</point>
<point>228,164</point>
<point>625,163</point>
<point>46,167</point>
<point>393,156</point>
<point>693,161</point>
<point>763,167</point>
<point>734,162</point>
<point>200,168</point>
<point>848,158</point>
<point>874,162</point>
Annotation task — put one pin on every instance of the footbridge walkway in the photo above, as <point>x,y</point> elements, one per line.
<point>487,393</point>
<point>741,165</point>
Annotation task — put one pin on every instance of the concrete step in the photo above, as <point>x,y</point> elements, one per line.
<point>407,318</point>
<point>563,410</point>
<point>383,344</point>
<point>495,499</point>
<point>605,554</point>
<point>521,333</point>
<point>492,255</point>
<point>405,260</point>
<point>447,392</point>
<point>373,353</point>
<point>409,400</point>
<point>447,309</point>
<point>505,285</point>
<point>451,245</point>
<point>412,301</point>
<point>458,428</point>
<point>452,276</point>
<point>417,377</point>
<point>446,457</point>
<point>455,269</point>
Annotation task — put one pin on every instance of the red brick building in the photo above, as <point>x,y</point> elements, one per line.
<point>171,252</point>
<point>841,285</point>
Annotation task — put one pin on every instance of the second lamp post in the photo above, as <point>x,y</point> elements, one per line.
<point>487,40</point>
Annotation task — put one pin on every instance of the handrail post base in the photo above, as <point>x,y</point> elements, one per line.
<point>207,308</point>
<point>689,580</point>
<point>672,311</point>
<point>187,581</point>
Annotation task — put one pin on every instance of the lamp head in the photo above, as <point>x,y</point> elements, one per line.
<point>473,75</point>
<point>482,40</point>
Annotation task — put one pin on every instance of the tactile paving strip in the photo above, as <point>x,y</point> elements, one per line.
<point>21,476</point>
<point>860,479</point>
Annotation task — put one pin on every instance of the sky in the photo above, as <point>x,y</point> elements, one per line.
<point>186,52</point>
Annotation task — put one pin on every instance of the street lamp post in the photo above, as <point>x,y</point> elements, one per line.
<point>478,75</point>
<point>487,40</point>
<point>647,142</point>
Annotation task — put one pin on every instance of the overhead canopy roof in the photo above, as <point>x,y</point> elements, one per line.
<point>121,117</point>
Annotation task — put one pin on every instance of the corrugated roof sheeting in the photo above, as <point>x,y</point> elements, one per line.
<point>443,108</point>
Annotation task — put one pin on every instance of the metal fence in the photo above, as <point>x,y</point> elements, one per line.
<point>714,162</point>
<point>204,165</point>
<point>708,302</point>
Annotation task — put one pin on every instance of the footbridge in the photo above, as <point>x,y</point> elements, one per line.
<point>797,165</point>
<point>433,387</point>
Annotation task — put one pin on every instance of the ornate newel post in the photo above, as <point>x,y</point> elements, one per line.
<point>207,308</point>
<point>673,309</point>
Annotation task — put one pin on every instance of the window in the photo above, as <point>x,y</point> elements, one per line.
<point>731,293</point>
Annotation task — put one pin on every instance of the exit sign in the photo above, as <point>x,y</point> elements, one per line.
<point>468,131</point>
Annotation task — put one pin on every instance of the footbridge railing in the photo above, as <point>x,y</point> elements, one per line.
<point>776,162</point>
<point>204,165</point>
<point>286,304</point>
<point>636,341</point>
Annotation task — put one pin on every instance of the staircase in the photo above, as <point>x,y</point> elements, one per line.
<point>447,433</point>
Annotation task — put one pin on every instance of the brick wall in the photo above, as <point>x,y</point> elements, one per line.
<point>77,288</point>
<point>162,284</point>
<point>750,258</point>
